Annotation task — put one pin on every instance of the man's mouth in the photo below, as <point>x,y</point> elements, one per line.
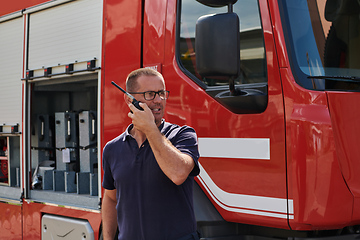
<point>156,110</point>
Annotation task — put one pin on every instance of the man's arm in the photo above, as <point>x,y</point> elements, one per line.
<point>175,164</point>
<point>109,215</point>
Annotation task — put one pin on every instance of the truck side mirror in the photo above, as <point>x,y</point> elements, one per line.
<point>217,3</point>
<point>217,45</point>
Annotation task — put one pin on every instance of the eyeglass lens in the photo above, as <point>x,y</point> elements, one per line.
<point>150,95</point>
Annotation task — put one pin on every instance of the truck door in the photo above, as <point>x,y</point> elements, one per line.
<point>241,130</point>
<point>11,43</point>
<point>241,136</point>
<point>63,72</point>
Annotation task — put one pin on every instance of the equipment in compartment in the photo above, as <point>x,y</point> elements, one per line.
<point>74,170</point>
<point>3,146</point>
<point>87,177</point>
<point>3,161</point>
<point>43,141</point>
<point>39,180</point>
<point>66,135</point>
<point>88,141</point>
<point>4,170</point>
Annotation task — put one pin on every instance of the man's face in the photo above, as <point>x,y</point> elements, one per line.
<point>157,105</point>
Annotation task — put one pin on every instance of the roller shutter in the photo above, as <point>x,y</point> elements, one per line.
<point>65,34</point>
<point>11,64</point>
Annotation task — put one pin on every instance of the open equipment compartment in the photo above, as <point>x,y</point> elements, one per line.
<point>10,160</point>
<point>63,133</point>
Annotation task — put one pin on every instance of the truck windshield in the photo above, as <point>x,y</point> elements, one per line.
<point>324,41</point>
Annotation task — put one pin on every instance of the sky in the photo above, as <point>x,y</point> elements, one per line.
<point>247,11</point>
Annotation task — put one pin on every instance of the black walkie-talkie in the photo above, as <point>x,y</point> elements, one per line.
<point>134,101</point>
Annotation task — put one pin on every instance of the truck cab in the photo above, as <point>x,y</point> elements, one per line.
<point>271,88</point>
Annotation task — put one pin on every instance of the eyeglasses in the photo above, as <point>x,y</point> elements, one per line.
<point>150,95</point>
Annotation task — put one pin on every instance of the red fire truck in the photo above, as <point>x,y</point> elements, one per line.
<point>271,87</point>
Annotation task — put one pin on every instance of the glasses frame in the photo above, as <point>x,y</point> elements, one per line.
<point>158,92</point>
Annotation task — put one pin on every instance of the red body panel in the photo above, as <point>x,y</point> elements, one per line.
<point>345,121</point>
<point>121,51</point>
<point>154,32</point>
<point>32,213</point>
<point>18,5</point>
<point>321,197</point>
<point>278,35</point>
<point>10,221</point>
<point>315,182</point>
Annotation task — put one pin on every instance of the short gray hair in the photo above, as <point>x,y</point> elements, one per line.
<point>131,80</point>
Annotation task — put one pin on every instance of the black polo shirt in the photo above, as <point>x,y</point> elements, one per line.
<point>149,205</point>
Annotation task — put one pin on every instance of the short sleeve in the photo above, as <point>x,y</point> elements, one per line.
<point>186,142</point>
<point>108,180</point>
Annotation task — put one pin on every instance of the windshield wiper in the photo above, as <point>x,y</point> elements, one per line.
<point>338,78</point>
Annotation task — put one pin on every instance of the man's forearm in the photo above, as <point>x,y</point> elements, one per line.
<point>109,218</point>
<point>175,164</point>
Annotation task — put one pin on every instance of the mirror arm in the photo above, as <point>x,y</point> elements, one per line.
<point>233,90</point>
<point>230,8</point>
<point>232,85</point>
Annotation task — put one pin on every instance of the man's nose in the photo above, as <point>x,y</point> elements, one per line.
<point>157,97</point>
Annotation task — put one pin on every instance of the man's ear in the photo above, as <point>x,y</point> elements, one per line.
<point>127,99</point>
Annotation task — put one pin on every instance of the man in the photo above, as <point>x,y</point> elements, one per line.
<point>149,169</point>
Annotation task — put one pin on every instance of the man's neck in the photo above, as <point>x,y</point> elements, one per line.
<point>140,137</point>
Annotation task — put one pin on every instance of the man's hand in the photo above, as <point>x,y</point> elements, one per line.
<point>175,164</point>
<point>143,121</point>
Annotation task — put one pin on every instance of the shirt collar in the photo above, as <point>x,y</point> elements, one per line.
<point>127,132</point>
